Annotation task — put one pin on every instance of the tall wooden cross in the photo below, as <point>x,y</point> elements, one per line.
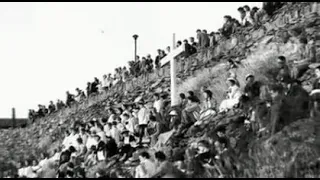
<point>173,76</point>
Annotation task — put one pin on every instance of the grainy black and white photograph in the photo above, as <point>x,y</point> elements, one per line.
<point>160,90</point>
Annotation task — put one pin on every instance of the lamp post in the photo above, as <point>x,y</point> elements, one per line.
<point>135,37</point>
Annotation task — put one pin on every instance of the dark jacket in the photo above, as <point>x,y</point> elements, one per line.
<point>316,84</point>
<point>298,100</point>
<point>252,89</point>
<point>227,29</point>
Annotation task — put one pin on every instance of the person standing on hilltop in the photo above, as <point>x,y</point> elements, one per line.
<point>227,28</point>
<point>88,89</point>
<point>52,107</point>
<point>242,15</point>
<point>70,99</point>
<point>157,60</point>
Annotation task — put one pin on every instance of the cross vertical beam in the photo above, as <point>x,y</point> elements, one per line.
<point>173,89</point>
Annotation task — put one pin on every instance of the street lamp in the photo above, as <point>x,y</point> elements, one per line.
<point>135,37</point>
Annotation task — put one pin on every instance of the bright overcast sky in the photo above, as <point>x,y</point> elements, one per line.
<point>49,48</point>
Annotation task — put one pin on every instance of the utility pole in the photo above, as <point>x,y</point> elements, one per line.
<point>13,118</point>
<point>135,37</point>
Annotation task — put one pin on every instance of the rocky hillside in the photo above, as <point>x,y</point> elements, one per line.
<point>255,50</point>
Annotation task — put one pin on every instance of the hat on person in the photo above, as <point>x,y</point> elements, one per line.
<point>231,79</point>
<point>314,66</point>
<point>246,122</point>
<point>173,113</point>
<point>249,75</point>
<point>315,91</point>
<point>125,131</point>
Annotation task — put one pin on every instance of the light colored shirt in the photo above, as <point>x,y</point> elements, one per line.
<point>143,116</point>
<point>158,105</point>
<point>111,118</point>
<point>115,134</point>
<point>91,142</point>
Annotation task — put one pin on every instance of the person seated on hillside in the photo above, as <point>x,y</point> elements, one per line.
<point>101,151</point>
<point>146,168</point>
<point>193,43</point>
<point>191,94</point>
<point>153,130</point>
<point>226,160</point>
<point>305,56</point>
<point>80,147</point>
<point>163,166</point>
<point>283,68</point>
<point>28,170</point>
<point>73,137</point>
<point>112,115</point>
<point>208,107</point>
<point>115,132</point>
<point>252,88</point>
<point>128,145</point>
<point>65,155</point>
<point>111,147</point>
<point>227,27</point>
<point>128,122</point>
<point>233,95</point>
<point>191,113</point>
<point>21,170</point>
<point>297,98</point>
<point>91,158</point>
<point>158,103</point>
<point>315,104</point>
<point>316,82</point>
<point>52,107</point>
<point>66,140</point>
<point>175,120</point>
<point>183,100</point>
<point>92,140</point>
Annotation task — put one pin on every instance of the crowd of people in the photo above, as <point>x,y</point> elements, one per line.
<point>141,67</point>
<point>133,127</point>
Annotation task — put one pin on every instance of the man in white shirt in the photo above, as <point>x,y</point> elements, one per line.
<point>66,140</point>
<point>115,133</point>
<point>73,138</point>
<point>143,118</point>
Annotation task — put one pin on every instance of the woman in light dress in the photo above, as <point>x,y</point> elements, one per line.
<point>233,96</point>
